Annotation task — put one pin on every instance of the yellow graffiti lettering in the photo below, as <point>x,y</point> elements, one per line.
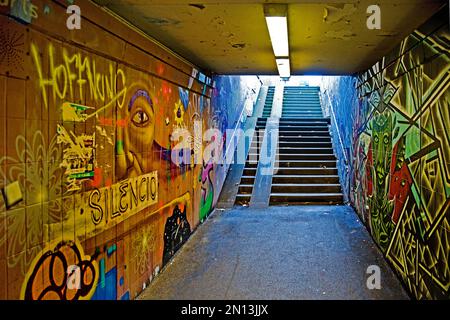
<point>42,82</point>
<point>79,72</point>
<point>99,82</point>
<point>33,11</point>
<point>71,76</point>
<point>60,73</point>
<point>123,193</point>
<point>124,88</point>
<point>143,197</point>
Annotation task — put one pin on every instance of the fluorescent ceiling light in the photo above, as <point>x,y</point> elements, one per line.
<point>278,31</point>
<point>284,68</point>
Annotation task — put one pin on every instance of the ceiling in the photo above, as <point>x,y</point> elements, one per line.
<point>231,36</point>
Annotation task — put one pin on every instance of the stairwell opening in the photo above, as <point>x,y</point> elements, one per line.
<point>302,164</point>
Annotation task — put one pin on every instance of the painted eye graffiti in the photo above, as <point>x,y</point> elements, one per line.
<point>144,109</point>
<point>386,139</point>
<point>140,118</point>
<point>376,139</point>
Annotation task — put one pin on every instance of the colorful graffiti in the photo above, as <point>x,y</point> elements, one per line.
<point>176,232</point>
<point>49,276</point>
<point>90,176</point>
<point>400,152</point>
<point>25,10</point>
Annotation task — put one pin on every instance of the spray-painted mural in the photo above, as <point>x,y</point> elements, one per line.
<point>400,156</point>
<point>98,190</point>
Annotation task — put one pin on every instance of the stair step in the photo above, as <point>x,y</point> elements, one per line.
<point>309,179</point>
<point>245,189</point>
<point>249,171</point>
<point>304,139</point>
<point>307,124</point>
<point>305,171</point>
<point>298,109</point>
<point>284,158</point>
<point>308,120</point>
<point>303,112</point>
<point>304,105</point>
<point>248,180</point>
<point>301,151</point>
<point>251,165</point>
<point>306,198</point>
<point>303,128</point>
<point>309,133</point>
<point>298,137</point>
<point>243,199</point>
<point>293,99</point>
<point>293,157</point>
<point>304,188</point>
<point>304,123</point>
<point>295,144</point>
<point>297,95</point>
<point>303,115</point>
<point>311,163</point>
<point>303,102</point>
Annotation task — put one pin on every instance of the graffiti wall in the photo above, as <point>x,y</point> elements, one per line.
<point>400,157</point>
<point>338,95</point>
<point>228,91</point>
<point>100,184</point>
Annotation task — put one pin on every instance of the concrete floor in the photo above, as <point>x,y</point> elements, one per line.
<point>301,252</point>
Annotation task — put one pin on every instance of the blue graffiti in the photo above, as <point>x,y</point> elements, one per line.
<point>184,97</point>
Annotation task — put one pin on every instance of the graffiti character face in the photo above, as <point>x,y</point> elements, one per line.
<point>381,207</point>
<point>401,154</point>
<point>382,148</point>
<point>135,140</point>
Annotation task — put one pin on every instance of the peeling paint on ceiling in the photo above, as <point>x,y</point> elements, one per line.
<point>231,36</point>
<point>340,34</point>
<point>337,13</point>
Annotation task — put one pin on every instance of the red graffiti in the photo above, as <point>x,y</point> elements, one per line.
<point>122,123</point>
<point>400,185</point>
<point>160,69</point>
<point>105,121</point>
<point>98,178</point>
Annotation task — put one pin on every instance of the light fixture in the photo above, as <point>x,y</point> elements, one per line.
<point>284,67</point>
<point>278,32</point>
<point>276,19</point>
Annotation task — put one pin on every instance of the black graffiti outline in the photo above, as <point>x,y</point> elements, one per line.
<point>61,290</point>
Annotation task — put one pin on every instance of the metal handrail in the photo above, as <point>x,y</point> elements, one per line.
<point>337,128</point>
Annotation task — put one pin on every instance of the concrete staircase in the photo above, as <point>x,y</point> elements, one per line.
<point>269,102</point>
<point>247,182</point>
<point>301,102</point>
<point>305,171</point>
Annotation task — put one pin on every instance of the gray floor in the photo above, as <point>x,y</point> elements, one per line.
<point>302,252</point>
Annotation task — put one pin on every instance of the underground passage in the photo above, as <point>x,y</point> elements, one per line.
<point>224,150</point>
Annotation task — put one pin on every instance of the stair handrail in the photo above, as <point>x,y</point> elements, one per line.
<point>337,128</point>
<point>231,148</point>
